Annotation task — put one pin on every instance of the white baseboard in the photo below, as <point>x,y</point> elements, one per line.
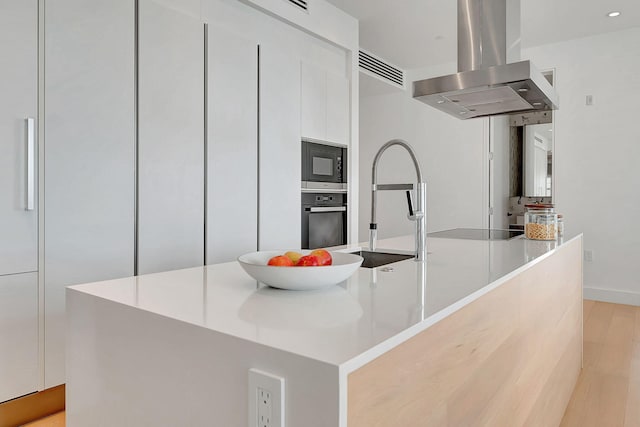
<point>612,295</point>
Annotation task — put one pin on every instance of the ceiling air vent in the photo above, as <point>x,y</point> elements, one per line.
<point>378,68</point>
<point>301,4</point>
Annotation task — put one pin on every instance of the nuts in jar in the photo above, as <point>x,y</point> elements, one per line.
<point>540,231</point>
<point>540,222</point>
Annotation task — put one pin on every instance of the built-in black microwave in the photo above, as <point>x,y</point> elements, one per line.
<point>323,166</point>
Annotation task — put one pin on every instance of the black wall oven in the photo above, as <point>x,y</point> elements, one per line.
<point>324,220</point>
<point>323,167</point>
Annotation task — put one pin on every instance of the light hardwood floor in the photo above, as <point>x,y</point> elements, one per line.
<point>608,390</point>
<point>55,420</point>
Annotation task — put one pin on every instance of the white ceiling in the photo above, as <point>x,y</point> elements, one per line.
<point>418,33</point>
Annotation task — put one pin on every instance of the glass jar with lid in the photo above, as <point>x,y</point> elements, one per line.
<point>560,225</point>
<point>540,221</point>
<point>536,248</point>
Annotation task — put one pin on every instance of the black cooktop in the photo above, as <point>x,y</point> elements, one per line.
<point>476,234</point>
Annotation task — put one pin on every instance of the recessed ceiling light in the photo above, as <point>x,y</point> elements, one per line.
<point>613,14</point>
<point>537,104</point>
<point>523,89</point>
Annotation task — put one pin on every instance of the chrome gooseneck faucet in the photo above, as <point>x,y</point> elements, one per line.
<point>419,216</point>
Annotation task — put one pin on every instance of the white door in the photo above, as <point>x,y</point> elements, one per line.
<point>232,146</point>
<point>18,109</point>
<point>170,139</point>
<point>89,157</point>
<point>18,198</point>
<point>536,150</point>
<point>280,150</point>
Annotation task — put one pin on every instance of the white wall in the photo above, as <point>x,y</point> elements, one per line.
<point>597,150</point>
<point>450,152</point>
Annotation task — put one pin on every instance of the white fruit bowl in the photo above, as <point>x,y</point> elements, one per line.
<point>299,278</point>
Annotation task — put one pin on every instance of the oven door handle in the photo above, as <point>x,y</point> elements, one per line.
<point>326,209</point>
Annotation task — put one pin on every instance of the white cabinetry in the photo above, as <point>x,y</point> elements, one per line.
<point>313,105</point>
<point>170,139</point>
<point>324,98</point>
<point>280,150</point>
<point>18,198</point>
<point>18,103</point>
<point>89,155</point>
<point>338,117</point>
<point>18,335</point>
<point>125,130</point>
<point>232,146</point>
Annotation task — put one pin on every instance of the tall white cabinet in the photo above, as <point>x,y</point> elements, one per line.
<point>18,198</point>
<point>232,145</point>
<point>89,155</point>
<point>170,190</point>
<point>280,150</point>
<point>124,148</point>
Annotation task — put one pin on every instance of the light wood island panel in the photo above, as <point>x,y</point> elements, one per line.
<point>510,358</point>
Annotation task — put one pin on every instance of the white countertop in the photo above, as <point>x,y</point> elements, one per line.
<point>346,325</point>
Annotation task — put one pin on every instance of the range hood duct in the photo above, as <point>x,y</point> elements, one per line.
<point>491,79</point>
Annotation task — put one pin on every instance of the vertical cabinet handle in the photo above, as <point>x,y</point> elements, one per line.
<point>31,163</point>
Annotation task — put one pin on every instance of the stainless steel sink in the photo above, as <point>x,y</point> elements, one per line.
<point>376,259</point>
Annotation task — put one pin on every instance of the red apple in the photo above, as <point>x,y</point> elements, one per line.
<point>280,261</point>
<point>308,261</point>
<point>324,257</point>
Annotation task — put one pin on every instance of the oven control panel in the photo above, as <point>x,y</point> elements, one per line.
<point>329,199</point>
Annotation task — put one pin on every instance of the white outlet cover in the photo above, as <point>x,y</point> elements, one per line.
<point>260,380</point>
<point>588,256</point>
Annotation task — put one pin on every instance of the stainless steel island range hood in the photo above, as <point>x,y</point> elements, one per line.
<point>491,79</point>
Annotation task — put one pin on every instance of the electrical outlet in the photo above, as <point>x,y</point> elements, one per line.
<point>588,256</point>
<point>266,399</point>
<point>265,409</point>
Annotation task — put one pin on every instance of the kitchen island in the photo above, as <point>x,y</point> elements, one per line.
<point>485,333</point>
